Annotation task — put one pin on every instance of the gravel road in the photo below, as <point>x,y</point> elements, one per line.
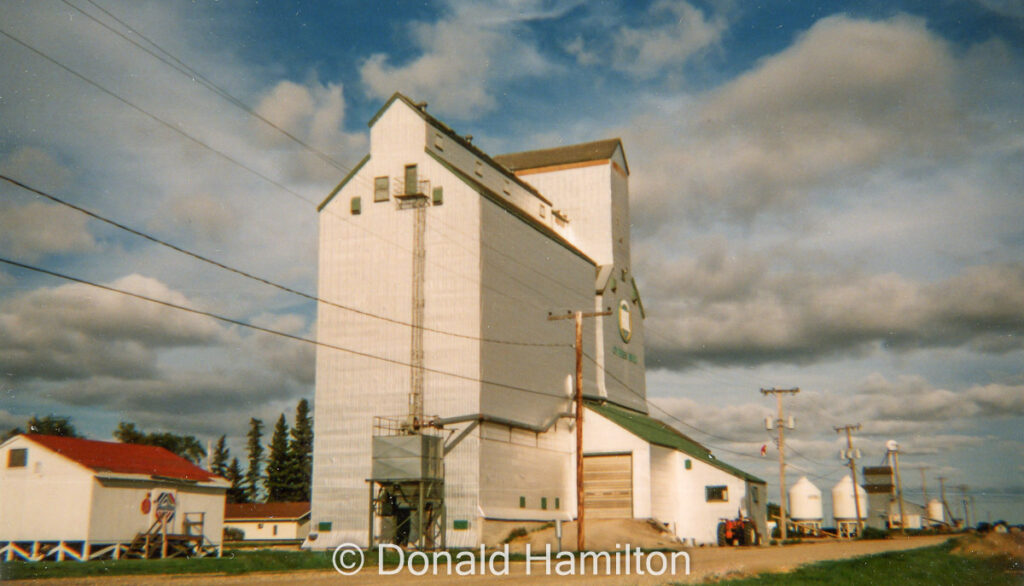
<point>704,562</point>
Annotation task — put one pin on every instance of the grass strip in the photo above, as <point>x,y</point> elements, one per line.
<point>935,565</point>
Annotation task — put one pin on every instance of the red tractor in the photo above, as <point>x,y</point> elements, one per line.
<point>739,531</point>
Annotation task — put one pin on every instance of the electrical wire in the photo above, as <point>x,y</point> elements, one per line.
<point>294,337</point>
<point>262,280</point>
<point>178,65</point>
<point>188,71</point>
<point>270,180</point>
<point>656,406</point>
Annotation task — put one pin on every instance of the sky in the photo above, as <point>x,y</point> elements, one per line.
<point>824,195</point>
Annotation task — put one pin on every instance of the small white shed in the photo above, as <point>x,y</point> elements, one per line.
<point>635,466</point>
<point>268,521</point>
<point>67,497</point>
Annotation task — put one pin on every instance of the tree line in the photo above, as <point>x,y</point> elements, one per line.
<point>279,472</point>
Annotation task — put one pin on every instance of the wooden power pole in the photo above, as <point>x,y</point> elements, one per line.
<point>945,505</point>
<point>578,316</point>
<point>967,514</point>
<point>852,460</point>
<point>780,424</point>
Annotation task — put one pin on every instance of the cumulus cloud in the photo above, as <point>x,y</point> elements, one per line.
<point>37,168</point>
<point>34,229</point>
<point>680,32</point>
<point>291,359</point>
<point>848,96</point>
<point>75,331</point>
<point>908,408</point>
<point>464,57</point>
<point>731,310</point>
<point>199,216</point>
<point>912,398</point>
<point>315,113</point>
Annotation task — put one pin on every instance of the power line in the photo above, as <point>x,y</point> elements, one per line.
<point>247,275</point>
<point>178,65</point>
<point>242,165</point>
<point>155,118</point>
<point>271,331</point>
<point>666,413</point>
<point>188,71</point>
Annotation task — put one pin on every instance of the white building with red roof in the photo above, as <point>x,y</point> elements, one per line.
<point>75,498</point>
<point>268,521</point>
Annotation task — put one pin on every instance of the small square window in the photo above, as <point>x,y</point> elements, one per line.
<point>688,464</point>
<point>558,503</point>
<point>438,196</point>
<point>275,529</point>
<point>17,458</point>
<point>522,502</point>
<point>357,206</point>
<point>544,502</point>
<point>381,189</point>
<point>716,493</point>
<point>324,526</point>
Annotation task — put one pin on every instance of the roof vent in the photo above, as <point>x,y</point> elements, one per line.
<point>469,138</point>
<point>421,106</point>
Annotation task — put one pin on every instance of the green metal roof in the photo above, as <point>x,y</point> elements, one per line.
<point>659,433</point>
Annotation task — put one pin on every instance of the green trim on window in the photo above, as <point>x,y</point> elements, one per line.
<point>357,206</point>
<point>324,526</point>
<point>460,525</point>
<point>544,503</point>
<point>522,502</point>
<point>381,188</point>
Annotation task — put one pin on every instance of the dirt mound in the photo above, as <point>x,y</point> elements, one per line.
<point>991,544</point>
<point>601,535</point>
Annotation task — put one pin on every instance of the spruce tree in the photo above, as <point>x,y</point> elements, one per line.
<point>254,474</point>
<point>236,494</point>
<point>300,455</point>
<point>278,464</point>
<point>219,458</point>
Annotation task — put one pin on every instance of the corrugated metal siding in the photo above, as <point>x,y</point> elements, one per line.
<point>525,276</point>
<point>513,467</point>
<point>366,262</point>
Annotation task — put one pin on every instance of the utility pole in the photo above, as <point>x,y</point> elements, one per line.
<point>780,423</point>
<point>945,505</point>
<point>894,451</point>
<point>924,485</point>
<point>967,515</point>
<point>578,316</point>
<point>851,458</point>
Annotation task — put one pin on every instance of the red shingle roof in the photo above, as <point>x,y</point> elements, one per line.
<point>265,510</point>
<point>123,458</point>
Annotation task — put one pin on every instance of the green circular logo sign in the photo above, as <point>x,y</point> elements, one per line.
<point>625,321</point>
